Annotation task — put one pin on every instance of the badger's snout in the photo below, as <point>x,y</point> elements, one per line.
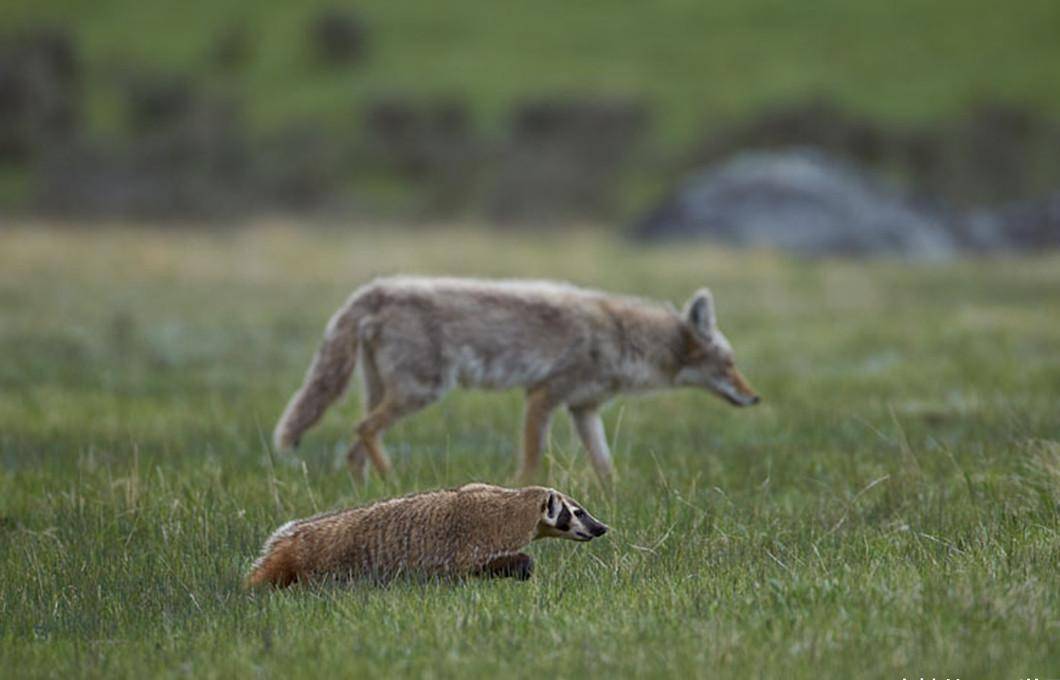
<point>592,530</point>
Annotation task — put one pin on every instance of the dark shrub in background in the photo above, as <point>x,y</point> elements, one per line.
<point>40,92</point>
<point>563,159</point>
<point>337,36</point>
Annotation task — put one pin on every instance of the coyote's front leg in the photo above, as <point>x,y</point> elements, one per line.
<point>591,431</point>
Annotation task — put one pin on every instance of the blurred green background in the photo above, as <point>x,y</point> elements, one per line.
<point>414,110</point>
<point>694,62</point>
<point>188,190</point>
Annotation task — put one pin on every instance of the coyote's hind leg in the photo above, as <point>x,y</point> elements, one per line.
<point>371,429</point>
<point>357,454</point>
<point>540,402</point>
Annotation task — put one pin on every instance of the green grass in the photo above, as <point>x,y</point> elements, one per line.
<point>693,61</point>
<point>891,510</point>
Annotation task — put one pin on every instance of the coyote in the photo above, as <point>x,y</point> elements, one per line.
<point>418,338</point>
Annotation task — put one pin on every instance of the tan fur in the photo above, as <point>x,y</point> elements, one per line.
<point>454,532</point>
<point>417,338</point>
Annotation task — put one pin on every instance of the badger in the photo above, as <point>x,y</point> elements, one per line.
<point>473,530</point>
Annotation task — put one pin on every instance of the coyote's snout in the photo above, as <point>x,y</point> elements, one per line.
<point>734,388</point>
<point>417,338</point>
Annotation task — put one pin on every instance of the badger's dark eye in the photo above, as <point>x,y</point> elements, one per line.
<point>579,513</point>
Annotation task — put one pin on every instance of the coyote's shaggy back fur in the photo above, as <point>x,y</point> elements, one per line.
<point>417,338</point>
<point>454,532</point>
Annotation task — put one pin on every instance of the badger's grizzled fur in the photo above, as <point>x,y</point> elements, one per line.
<point>476,529</point>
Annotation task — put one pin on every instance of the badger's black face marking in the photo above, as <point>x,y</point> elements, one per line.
<point>563,521</point>
<point>551,506</point>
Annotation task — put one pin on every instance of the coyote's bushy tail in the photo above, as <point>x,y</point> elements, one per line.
<point>326,379</point>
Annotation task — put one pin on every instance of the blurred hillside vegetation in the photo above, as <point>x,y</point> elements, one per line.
<point>512,113</point>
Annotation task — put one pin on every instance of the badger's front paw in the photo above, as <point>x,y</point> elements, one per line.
<point>518,566</point>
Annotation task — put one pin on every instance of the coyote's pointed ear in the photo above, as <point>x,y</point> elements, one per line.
<point>699,312</point>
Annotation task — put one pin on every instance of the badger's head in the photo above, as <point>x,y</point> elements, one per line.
<point>707,359</point>
<point>561,517</point>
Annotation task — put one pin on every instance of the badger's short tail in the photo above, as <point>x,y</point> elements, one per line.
<point>326,379</point>
<point>278,565</point>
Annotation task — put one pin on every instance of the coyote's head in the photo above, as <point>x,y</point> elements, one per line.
<point>708,357</point>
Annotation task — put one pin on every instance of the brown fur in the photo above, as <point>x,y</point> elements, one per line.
<point>418,338</point>
<point>454,532</point>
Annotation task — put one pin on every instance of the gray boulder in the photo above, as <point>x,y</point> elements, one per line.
<point>1029,225</point>
<point>800,201</point>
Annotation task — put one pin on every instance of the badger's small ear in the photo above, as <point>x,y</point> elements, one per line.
<point>699,312</point>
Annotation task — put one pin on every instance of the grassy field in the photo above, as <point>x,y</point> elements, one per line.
<point>891,510</point>
<point>692,61</point>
